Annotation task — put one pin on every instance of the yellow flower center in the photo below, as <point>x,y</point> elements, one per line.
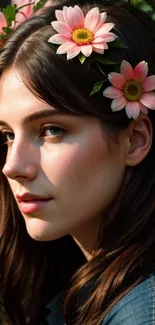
<point>82,36</point>
<point>132,90</point>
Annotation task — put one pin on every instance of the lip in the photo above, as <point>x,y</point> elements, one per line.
<point>29,203</point>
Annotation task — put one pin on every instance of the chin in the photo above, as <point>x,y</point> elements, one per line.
<point>38,236</point>
<point>41,230</point>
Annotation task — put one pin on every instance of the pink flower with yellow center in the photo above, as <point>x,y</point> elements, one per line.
<point>77,33</point>
<point>131,89</point>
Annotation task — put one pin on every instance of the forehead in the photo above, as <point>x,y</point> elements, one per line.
<point>11,84</point>
<point>16,100</point>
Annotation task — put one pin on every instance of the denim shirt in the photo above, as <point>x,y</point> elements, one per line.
<point>136,308</point>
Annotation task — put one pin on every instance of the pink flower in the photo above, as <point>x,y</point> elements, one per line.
<point>25,13</point>
<point>77,33</point>
<point>131,89</point>
<point>3,22</point>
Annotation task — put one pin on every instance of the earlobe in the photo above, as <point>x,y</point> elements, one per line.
<point>140,140</point>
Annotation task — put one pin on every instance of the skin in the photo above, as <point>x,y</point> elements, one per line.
<point>69,163</point>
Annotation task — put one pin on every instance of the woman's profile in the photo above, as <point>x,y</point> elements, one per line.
<point>77,176</point>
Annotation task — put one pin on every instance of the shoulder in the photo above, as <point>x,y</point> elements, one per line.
<point>135,308</point>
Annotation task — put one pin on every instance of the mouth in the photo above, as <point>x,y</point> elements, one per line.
<point>30,203</point>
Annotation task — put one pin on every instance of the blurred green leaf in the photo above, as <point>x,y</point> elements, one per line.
<point>9,13</point>
<point>106,61</point>
<point>146,7</point>
<point>136,2</point>
<point>118,43</point>
<point>7,30</point>
<point>40,5</point>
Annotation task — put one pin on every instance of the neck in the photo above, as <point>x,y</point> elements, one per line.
<point>86,237</point>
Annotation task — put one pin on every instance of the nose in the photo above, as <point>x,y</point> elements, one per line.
<point>21,162</point>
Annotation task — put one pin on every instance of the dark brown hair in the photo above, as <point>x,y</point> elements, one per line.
<point>31,272</point>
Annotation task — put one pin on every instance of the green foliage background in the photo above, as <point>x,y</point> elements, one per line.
<point>146,5</point>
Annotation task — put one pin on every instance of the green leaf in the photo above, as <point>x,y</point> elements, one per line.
<point>118,43</point>
<point>104,60</point>
<point>2,36</point>
<point>97,87</point>
<point>82,58</point>
<point>153,16</point>
<point>7,30</point>
<point>9,13</point>
<point>143,5</point>
<point>39,5</point>
<point>136,2</point>
<point>146,7</point>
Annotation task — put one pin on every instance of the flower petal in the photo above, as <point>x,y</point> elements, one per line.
<point>64,48</point>
<point>20,18</point>
<point>92,18</point>
<point>73,52</point>
<point>75,17</point>
<point>102,19</point>
<point>97,49</point>
<point>132,109</point>
<point>65,11</point>
<point>112,92</point>
<point>109,37</point>
<point>62,28</point>
<point>118,104</point>
<point>104,29</point>
<point>27,10</point>
<point>140,72</point>
<point>86,50</point>
<point>116,79</point>
<point>143,108</point>
<point>126,70</point>
<point>149,83</point>
<point>58,39</point>
<point>148,100</point>
<point>99,40</point>
<point>3,22</point>
<point>59,15</point>
<point>69,13</point>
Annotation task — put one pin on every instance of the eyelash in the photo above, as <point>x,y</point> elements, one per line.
<point>54,138</point>
<point>51,138</point>
<point>4,136</point>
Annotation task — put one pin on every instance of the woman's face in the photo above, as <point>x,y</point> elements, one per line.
<point>59,167</point>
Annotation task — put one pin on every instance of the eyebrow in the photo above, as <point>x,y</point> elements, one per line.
<point>38,115</point>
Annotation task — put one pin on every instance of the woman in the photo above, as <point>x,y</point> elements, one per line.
<point>77,170</point>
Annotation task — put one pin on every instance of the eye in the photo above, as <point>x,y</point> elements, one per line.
<point>52,132</point>
<point>7,136</point>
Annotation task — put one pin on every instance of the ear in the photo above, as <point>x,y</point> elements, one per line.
<point>140,140</point>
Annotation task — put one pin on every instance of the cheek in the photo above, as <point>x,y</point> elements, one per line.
<point>83,166</point>
<point>13,185</point>
<point>74,161</point>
